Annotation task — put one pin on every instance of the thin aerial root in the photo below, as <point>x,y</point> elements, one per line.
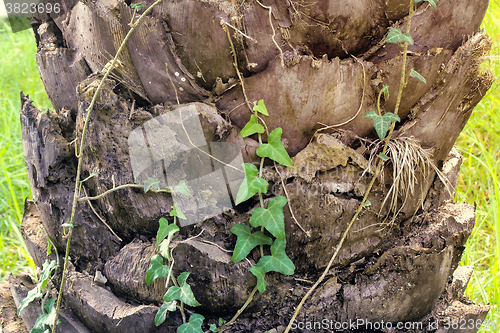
<point>239,31</point>
<point>235,63</point>
<point>359,109</point>
<point>308,234</point>
<point>269,8</point>
<point>100,218</point>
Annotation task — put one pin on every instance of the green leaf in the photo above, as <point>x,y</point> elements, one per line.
<point>259,274</point>
<point>164,248</point>
<point>168,231</point>
<point>246,241</point>
<point>182,293</point>
<point>49,246</point>
<point>47,318</point>
<point>176,211</point>
<point>383,156</point>
<point>47,269</point>
<point>161,315</point>
<point>385,90</point>
<point>414,73</point>
<point>434,3</point>
<point>182,188</point>
<point>32,294</point>
<point>93,174</point>
<point>278,261</point>
<point>382,123</point>
<point>151,184</point>
<point>367,203</point>
<point>193,326</point>
<point>221,321</point>
<point>271,218</point>
<point>213,328</point>
<point>260,107</point>
<point>165,230</point>
<point>67,224</point>
<point>251,185</point>
<point>137,6</point>
<point>252,127</point>
<point>396,36</point>
<point>274,149</point>
<point>157,269</point>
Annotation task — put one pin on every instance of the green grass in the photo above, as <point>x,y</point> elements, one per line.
<point>18,71</point>
<point>478,184</point>
<point>479,143</point>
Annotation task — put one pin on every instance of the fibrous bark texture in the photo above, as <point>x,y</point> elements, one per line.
<point>319,66</point>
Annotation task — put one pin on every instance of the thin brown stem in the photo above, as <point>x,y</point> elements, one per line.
<point>357,112</point>
<point>308,234</point>
<point>121,187</point>
<point>240,311</point>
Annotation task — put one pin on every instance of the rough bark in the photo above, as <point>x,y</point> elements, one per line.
<point>313,63</point>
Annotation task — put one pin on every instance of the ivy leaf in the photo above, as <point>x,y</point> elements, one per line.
<point>49,246</point>
<point>193,326</point>
<point>396,36</point>
<point>32,294</point>
<point>157,269</point>
<point>165,230</point>
<point>161,315</point>
<point>251,185</point>
<point>434,3</point>
<point>213,328</point>
<point>271,218</point>
<point>182,188</point>
<point>382,123</point>
<point>246,241</point>
<point>67,224</point>
<point>252,127</point>
<point>176,211</point>
<point>168,231</point>
<point>278,261</point>
<point>40,330</point>
<point>164,248</point>
<point>259,274</point>
<point>137,6</point>
<point>274,149</point>
<point>414,73</point>
<point>151,184</point>
<point>260,107</point>
<point>47,269</point>
<point>385,90</point>
<point>182,293</point>
<point>383,156</point>
<point>93,174</point>
<point>47,318</point>
<point>367,203</point>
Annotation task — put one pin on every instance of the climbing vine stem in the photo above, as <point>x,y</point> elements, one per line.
<point>378,167</point>
<point>76,195</point>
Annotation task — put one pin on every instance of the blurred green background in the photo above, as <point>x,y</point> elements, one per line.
<point>478,185</point>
